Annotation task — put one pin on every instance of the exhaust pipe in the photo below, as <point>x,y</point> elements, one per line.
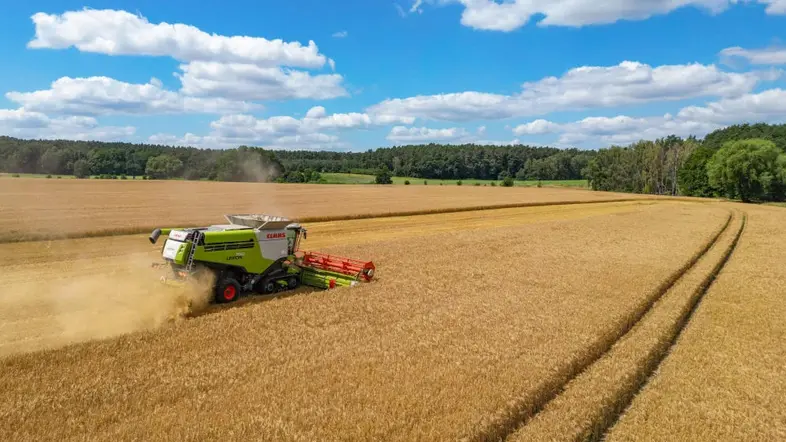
<point>154,236</point>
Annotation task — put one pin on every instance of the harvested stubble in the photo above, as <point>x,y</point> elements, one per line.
<point>89,288</point>
<point>36,209</point>
<point>592,401</point>
<point>725,378</point>
<point>456,326</point>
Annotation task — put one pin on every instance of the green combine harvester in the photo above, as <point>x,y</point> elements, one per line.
<point>254,254</point>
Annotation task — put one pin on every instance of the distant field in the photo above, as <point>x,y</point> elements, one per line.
<point>44,208</point>
<point>352,178</point>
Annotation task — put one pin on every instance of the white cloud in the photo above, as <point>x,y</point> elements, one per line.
<point>340,34</point>
<point>482,130</point>
<point>22,123</point>
<point>768,56</point>
<point>116,32</point>
<point>510,15</point>
<point>423,134</point>
<point>317,130</point>
<point>103,96</point>
<point>767,106</point>
<point>416,7</point>
<point>251,82</point>
<point>537,127</point>
<point>581,88</point>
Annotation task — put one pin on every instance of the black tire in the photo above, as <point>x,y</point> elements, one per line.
<point>269,287</point>
<point>293,282</point>
<point>227,290</point>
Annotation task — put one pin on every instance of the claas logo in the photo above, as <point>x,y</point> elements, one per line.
<point>276,235</point>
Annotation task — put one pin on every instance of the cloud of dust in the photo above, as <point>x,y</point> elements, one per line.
<point>131,298</point>
<point>257,169</point>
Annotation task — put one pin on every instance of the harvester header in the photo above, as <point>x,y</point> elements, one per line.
<point>255,253</point>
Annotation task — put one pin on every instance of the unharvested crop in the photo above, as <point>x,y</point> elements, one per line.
<point>87,272</point>
<point>724,379</point>
<point>456,326</point>
<point>591,402</point>
<point>35,209</point>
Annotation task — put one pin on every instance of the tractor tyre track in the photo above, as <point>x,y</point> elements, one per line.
<point>592,402</point>
<point>517,413</point>
<point>684,321</point>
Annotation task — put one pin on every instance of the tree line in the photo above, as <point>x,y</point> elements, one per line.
<point>432,161</point>
<point>743,162</point>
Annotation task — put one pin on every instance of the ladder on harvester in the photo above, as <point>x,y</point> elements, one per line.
<point>194,242</point>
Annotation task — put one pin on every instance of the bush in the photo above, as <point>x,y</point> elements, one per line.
<point>16,175</point>
<point>123,177</point>
<point>383,177</point>
<point>493,184</point>
<point>477,184</point>
<point>81,169</point>
<point>425,183</point>
<point>59,177</point>
<point>508,181</point>
<point>458,183</point>
<point>540,184</point>
<point>406,182</point>
<point>49,176</point>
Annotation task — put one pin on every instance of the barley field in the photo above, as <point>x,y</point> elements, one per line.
<point>565,315</point>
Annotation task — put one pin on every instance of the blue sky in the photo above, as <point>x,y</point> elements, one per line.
<point>354,75</point>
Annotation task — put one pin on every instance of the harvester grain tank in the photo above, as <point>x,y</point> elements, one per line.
<point>254,253</point>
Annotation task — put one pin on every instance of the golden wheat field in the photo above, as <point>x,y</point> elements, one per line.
<point>35,208</point>
<point>629,318</point>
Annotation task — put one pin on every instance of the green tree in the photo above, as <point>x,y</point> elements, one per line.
<point>383,176</point>
<point>81,169</point>
<point>692,178</point>
<point>163,166</point>
<point>751,170</point>
<point>508,181</point>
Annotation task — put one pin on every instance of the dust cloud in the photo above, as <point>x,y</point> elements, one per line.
<point>57,312</point>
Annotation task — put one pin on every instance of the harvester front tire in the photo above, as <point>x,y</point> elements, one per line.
<point>227,290</point>
<point>293,282</point>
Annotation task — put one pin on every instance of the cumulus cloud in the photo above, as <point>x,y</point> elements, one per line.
<point>537,127</point>
<point>424,134</point>
<point>317,130</point>
<point>116,32</point>
<point>767,56</point>
<point>22,123</point>
<point>581,88</point>
<point>767,106</point>
<point>251,82</point>
<point>510,15</point>
<point>104,96</point>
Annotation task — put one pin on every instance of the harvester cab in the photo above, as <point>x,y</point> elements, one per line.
<point>254,253</point>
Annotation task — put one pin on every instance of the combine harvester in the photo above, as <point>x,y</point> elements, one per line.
<point>254,254</point>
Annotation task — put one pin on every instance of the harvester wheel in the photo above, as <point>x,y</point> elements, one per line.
<point>227,290</point>
<point>269,287</point>
<point>292,282</point>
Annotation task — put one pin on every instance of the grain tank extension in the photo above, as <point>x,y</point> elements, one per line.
<point>254,253</point>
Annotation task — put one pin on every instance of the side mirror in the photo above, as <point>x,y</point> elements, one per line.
<point>154,236</point>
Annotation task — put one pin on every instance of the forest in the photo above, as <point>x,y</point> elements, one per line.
<point>744,162</point>
<point>434,161</point>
